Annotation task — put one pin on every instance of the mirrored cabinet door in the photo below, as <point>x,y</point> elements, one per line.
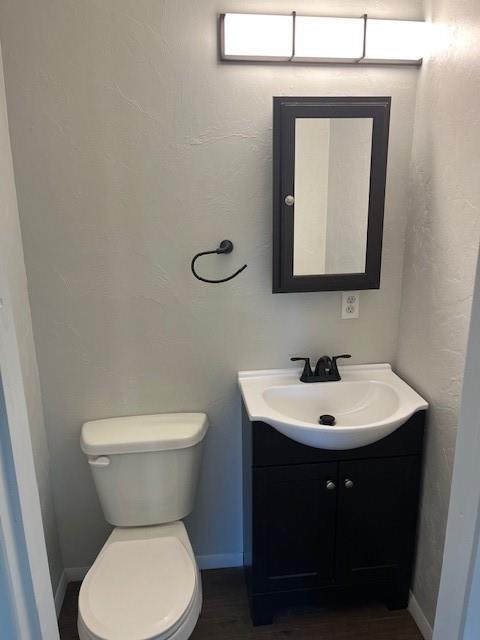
<point>330,158</point>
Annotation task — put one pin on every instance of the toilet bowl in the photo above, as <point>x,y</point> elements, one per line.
<point>145,583</point>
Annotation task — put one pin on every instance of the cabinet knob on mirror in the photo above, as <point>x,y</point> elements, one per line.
<point>330,485</point>
<point>289,201</point>
<point>349,484</point>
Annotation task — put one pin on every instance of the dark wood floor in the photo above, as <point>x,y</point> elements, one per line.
<point>225,617</point>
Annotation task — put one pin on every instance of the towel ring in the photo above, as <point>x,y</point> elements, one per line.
<point>226,246</point>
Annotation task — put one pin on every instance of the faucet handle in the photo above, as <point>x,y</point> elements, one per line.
<point>307,369</point>
<point>335,358</point>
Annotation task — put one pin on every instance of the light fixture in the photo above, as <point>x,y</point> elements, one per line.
<point>328,39</point>
<point>292,38</point>
<point>251,36</point>
<point>397,41</point>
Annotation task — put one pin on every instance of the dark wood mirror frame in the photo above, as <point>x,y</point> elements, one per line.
<point>285,111</point>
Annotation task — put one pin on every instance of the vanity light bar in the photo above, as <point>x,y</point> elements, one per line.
<point>397,41</point>
<point>292,38</point>
<point>328,39</point>
<point>249,36</point>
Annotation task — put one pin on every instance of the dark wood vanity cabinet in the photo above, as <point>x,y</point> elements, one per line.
<point>319,524</point>
<point>295,522</point>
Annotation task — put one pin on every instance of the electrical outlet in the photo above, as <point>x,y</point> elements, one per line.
<point>350,305</point>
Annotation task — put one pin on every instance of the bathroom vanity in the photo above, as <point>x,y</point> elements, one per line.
<point>320,523</point>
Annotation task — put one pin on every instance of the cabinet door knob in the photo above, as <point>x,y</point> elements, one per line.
<point>289,201</point>
<point>330,485</point>
<point>349,484</point>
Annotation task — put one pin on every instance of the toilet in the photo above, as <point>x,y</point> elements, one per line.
<point>145,583</point>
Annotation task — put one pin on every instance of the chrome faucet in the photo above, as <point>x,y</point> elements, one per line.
<point>326,369</point>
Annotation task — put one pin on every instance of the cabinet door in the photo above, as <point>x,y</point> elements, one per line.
<point>377,513</point>
<point>294,526</point>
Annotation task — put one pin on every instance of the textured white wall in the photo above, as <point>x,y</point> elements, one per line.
<point>13,267</point>
<point>441,251</point>
<point>134,148</point>
<point>458,614</point>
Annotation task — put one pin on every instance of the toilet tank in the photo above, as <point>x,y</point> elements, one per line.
<point>145,468</point>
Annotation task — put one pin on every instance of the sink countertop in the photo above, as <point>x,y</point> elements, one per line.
<point>369,403</point>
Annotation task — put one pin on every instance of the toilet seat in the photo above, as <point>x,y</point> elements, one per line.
<point>140,588</point>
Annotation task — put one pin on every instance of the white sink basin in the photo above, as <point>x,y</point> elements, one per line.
<point>368,403</point>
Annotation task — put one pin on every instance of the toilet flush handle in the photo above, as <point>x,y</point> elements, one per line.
<point>101,461</point>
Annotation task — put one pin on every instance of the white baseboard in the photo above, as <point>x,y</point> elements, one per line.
<point>60,591</point>
<point>220,561</point>
<point>420,618</point>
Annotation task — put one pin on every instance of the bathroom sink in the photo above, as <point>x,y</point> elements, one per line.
<point>368,403</point>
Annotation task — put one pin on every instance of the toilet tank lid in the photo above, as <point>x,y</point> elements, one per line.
<point>137,434</point>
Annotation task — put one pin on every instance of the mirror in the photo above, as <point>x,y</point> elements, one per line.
<point>329,183</point>
<point>330,223</point>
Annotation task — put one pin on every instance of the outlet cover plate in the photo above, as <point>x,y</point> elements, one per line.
<point>350,305</point>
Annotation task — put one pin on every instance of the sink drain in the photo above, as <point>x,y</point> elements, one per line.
<point>327,420</point>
